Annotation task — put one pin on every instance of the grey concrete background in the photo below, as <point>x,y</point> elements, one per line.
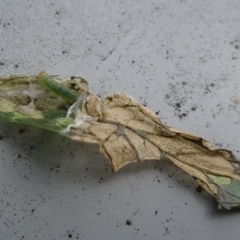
<point>180,58</point>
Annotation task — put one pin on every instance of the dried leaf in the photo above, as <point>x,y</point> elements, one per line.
<point>125,130</point>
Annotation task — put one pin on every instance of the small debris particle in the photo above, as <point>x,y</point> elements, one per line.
<point>199,189</point>
<point>129,222</point>
<point>178,104</point>
<point>22,131</point>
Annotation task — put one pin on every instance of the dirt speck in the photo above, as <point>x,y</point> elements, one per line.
<point>129,222</point>
<point>199,189</point>
<point>236,44</point>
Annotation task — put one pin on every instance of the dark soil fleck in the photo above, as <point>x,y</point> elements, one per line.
<point>129,222</point>
<point>199,189</point>
<point>22,131</point>
<point>178,104</point>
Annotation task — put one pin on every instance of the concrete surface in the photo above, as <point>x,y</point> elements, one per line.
<point>180,58</point>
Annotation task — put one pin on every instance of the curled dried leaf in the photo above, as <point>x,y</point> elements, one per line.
<point>125,130</point>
